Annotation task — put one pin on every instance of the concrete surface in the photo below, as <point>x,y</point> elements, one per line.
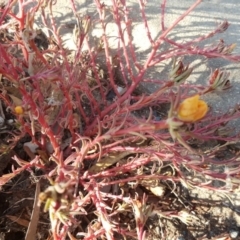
<point>201,21</point>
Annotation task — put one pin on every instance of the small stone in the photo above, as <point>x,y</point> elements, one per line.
<point>32,146</point>
<point>233,234</point>
<point>121,90</point>
<point>158,191</point>
<point>10,121</point>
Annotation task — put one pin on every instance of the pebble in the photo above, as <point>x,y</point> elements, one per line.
<point>233,234</point>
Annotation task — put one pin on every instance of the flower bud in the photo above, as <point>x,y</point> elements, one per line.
<point>179,72</point>
<point>18,110</point>
<point>219,80</point>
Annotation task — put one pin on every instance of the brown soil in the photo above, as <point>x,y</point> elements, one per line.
<point>211,215</point>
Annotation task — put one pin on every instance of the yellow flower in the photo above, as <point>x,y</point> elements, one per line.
<point>19,110</point>
<point>192,109</point>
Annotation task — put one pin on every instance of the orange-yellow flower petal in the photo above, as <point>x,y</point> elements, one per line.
<point>192,109</point>
<point>19,110</point>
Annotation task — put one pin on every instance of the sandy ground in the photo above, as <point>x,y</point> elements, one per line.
<point>203,20</point>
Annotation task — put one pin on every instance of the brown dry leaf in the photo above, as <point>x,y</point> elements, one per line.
<point>108,161</point>
<point>18,220</point>
<point>32,227</point>
<point>16,101</point>
<point>13,91</point>
<point>44,156</point>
